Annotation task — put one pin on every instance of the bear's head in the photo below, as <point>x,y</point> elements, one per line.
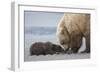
<point>64,38</point>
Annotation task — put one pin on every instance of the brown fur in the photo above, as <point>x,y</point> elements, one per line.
<point>71,28</point>
<point>40,48</point>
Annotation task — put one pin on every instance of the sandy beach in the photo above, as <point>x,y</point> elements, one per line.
<point>28,58</point>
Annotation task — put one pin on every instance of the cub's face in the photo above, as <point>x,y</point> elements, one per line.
<point>63,38</point>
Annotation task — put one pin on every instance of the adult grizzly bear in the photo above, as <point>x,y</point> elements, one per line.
<point>71,29</point>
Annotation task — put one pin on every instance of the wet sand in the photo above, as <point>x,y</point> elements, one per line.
<point>28,58</point>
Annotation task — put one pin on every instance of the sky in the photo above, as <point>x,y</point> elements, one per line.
<point>35,18</point>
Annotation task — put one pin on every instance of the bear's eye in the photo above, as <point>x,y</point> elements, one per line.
<point>62,42</point>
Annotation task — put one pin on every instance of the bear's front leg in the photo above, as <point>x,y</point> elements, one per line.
<point>72,51</point>
<point>76,41</point>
